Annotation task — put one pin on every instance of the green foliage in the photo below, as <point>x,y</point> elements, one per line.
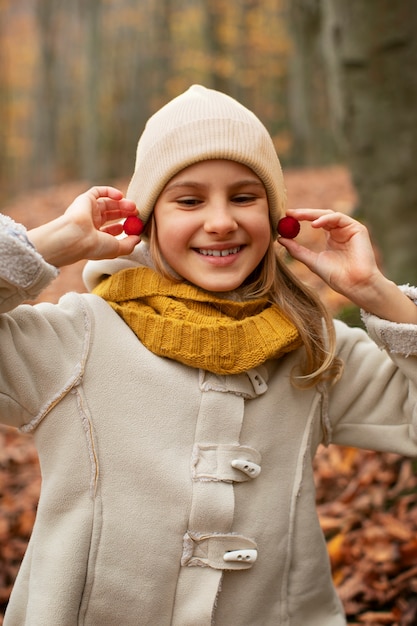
<point>350,314</point>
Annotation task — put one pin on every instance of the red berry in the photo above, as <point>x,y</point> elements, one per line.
<point>288,227</point>
<point>133,225</point>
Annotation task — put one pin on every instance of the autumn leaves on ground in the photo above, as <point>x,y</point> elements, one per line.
<point>366,501</point>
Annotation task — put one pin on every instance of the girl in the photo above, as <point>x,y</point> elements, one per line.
<point>177,407</point>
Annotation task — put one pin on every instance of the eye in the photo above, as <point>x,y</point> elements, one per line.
<point>188,201</point>
<point>243,198</point>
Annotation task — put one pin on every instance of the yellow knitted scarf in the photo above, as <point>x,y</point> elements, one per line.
<point>187,324</point>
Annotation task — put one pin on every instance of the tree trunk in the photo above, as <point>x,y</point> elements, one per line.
<point>375,60</point>
<point>308,92</point>
<point>90,129</point>
<point>4,117</point>
<point>216,46</point>
<point>45,120</point>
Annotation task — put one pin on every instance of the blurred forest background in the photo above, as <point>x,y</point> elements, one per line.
<point>335,82</point>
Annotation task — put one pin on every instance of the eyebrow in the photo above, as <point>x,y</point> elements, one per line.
<point>193,183</point>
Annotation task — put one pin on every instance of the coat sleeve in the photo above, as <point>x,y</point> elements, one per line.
<point>374,404</point>
<point>23,271</point>
<point>43,347</point>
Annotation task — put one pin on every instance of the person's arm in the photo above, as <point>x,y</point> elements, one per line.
<point>87,229</point>
<point>348,265</point>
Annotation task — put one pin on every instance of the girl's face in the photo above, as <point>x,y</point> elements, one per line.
<point>213,225</point>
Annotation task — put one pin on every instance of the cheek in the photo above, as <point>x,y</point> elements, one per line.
<point>261,233</point>
<point>173,236</point>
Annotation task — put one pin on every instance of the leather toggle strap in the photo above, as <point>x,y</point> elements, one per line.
<point>219,551</point>
<point>225,462</point>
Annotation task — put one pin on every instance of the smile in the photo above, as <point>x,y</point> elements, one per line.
<point>227,252</point>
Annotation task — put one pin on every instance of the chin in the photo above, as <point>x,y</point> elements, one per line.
<point>216,288</point>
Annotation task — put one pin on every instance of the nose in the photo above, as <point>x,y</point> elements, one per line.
<point>220,219</point>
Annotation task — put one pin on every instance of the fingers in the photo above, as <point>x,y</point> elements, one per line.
<point>109,198</point>
<point>111,209</point>
<point>322,218</point>
<point>104,191</point>
<point>325,218</point>
<point>344,258</point>
<point>101,205</point>
<point>127,244</point>
<point>299,252</point>
<point>339,227</point>
<point>95,219</point>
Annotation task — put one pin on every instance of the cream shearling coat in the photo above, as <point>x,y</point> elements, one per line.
<point>171,496</point>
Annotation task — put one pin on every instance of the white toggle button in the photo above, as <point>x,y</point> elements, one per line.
<point>245,556</point>
<point>248,467</point>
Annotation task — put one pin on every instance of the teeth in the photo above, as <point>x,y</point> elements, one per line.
<point>219,252</point>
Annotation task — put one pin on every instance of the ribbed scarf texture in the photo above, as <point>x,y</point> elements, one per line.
<point>182,322</point>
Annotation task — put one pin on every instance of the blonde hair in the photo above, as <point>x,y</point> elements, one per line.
<point>274,279</point>
<point>307,312</point>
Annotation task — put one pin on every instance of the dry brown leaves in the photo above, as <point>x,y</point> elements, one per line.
<point>367,508</point>
<point>19,492</point>
<point>366,501</point>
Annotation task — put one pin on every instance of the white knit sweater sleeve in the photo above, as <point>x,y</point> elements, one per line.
<point>24,273</point>
<point>396,338</point>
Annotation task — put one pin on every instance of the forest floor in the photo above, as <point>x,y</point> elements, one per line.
<point>366,501</point>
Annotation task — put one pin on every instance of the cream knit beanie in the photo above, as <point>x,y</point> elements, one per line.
<point>199,125</point>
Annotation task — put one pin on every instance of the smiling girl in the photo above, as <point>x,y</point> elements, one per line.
<point>178,406</point>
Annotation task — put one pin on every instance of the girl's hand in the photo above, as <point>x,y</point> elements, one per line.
<point>87,229</point>
<point>347,262</point>
<point>348,265</point>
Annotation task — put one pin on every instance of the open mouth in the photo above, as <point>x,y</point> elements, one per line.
<point>227,252</point>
